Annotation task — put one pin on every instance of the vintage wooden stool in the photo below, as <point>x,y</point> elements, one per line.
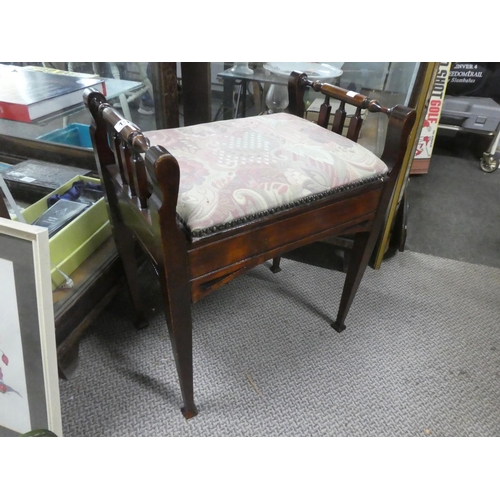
<point>209,202</point>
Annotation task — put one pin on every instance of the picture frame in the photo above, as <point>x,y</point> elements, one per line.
<point>29,382</point>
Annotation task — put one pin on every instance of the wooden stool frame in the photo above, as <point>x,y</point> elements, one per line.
<point>141,184</point>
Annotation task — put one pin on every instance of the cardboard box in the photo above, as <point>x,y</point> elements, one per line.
<point>73,244</point>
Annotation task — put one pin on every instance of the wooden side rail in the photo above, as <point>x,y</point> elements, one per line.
<point>298,84</point>
<point>401,119</point>
<point>127,144</point>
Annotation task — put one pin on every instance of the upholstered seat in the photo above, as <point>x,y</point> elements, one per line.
<point>238,170</point>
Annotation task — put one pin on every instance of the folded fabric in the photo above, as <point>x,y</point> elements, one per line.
<point>76,190</point>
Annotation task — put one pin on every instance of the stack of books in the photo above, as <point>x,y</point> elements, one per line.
<point>29,93</point>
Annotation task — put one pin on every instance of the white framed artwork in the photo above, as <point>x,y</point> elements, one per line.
<point>29,383</point>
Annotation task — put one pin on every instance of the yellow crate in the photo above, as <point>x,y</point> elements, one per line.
<point>73,244</point>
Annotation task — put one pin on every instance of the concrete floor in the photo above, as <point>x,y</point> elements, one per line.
<point>454,209</point>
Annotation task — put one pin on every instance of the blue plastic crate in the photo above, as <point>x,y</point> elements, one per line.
<point>75,134</point>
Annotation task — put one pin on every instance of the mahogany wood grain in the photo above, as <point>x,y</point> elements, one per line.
<point>276,233</point>
<point>338,120</point>
<point>324,113</point>
<point>355,126</point>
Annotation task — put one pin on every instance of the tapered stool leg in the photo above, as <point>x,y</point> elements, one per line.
<point>275,268</point>
<point>125,245</point>
<point>361,251</point>
<point>178,316</point>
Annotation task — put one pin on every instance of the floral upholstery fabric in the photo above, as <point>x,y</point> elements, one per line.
<point>235,170</point>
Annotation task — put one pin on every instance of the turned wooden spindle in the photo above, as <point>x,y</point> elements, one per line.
<point>355,123</point>
<point>339,118</point>
<point>324,113</point>
<point>142,179</point>
<point>126,152</point>
<point>117,143</point>
<point>129,145</point>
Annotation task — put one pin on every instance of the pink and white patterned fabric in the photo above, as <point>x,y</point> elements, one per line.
<point>235,170</point>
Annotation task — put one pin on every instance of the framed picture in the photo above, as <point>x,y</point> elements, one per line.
<point>29,383</point>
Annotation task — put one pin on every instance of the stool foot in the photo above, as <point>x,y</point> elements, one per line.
<point>338,327</point>
<point>141,322</point>
<point>189,412</point>
<point>275,268</point>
